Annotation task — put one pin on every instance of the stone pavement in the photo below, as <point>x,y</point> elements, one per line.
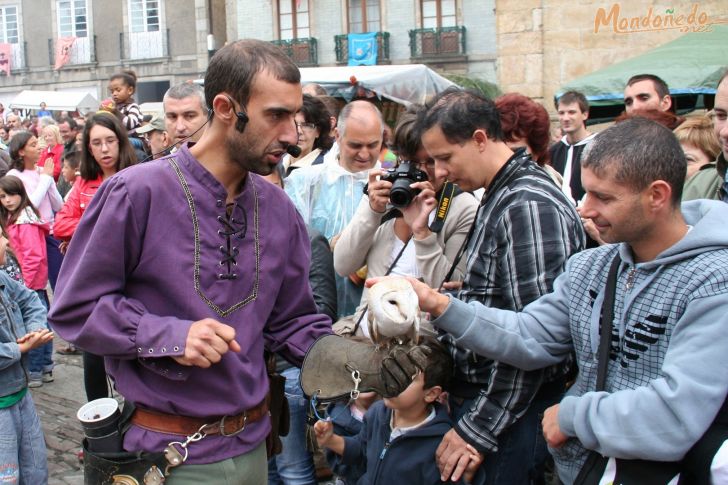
<point>57,403</point>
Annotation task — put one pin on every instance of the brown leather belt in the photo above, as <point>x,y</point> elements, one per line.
<point>186,426</point>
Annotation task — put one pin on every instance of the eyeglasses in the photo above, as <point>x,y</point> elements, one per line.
<point>109,142</point>
<point>429,163</point>
<point>307,126</point>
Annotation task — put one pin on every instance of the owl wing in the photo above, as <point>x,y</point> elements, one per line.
<point>372,326</point>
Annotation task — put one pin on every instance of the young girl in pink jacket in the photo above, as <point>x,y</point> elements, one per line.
<point>28,232</point>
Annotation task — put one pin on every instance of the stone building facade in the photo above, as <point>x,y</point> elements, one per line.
<point>543,44</point>
<point>529,46</point>
<point>449,35</point>
<point>163,41</point>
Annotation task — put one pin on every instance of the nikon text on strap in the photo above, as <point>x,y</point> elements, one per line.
<point>448,192</point>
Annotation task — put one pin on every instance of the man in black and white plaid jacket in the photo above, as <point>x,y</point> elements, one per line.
<point>523,234</point>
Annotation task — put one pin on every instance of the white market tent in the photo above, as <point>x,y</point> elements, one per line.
<point>405,84</point>
<point>153,108</point>
<point>55,101</point>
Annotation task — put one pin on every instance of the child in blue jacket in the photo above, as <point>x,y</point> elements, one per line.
<point>22,328</point>
<point>399,435</point>
<point>347,419</point>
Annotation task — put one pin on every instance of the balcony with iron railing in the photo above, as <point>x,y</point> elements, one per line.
<point>443,43</point>
<point>342,48</point>
<point>143,46</point>
<point>15,61</point>
<point>81,52</point>
<point>303,51</point>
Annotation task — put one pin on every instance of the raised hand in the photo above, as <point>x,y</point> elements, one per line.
<point>430,300</point>
<point>324,430</point>
<point>33,340</point>
<point>48,167</point>
<point>417,214</point>
<point>378,191</point>
<point>207,341</point>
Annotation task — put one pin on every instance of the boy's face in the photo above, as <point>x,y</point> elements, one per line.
<point>69,174</point>
<point>415,395</point>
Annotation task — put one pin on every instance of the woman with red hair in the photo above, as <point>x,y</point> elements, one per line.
<point>526,124</point>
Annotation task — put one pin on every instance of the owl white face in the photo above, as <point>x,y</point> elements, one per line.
<point>394,312</point>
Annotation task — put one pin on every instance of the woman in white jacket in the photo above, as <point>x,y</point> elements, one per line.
<point>380,237</point>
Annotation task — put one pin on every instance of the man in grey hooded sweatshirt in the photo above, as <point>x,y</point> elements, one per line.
<point>667,375</point>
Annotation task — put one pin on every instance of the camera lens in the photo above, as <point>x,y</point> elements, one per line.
<point>401,195</point>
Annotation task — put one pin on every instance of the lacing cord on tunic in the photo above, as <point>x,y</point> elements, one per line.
<point>231,228</point>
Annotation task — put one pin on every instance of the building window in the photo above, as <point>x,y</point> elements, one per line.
<point>144,15</point>
<point>147,35</point>
<point>293,19</point>
<point>364,16</point>
<point>72,18</point>
<point>9,25</point>
<point>438,13</point>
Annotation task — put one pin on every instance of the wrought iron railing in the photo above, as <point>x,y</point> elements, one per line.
<point>342,48</point>
<point>439,42</point>
<point>15,61</point>
<point>82,51</point>
<point>144,45</point>
<point>303,51</point>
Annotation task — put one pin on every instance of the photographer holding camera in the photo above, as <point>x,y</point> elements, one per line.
<point>400,240</point>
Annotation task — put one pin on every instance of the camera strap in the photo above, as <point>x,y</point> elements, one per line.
<point>448,192</point>
<point>389,270</point>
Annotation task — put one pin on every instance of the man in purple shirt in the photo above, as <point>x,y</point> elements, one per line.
<point>184,269</point>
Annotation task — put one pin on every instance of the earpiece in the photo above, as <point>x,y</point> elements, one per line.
<point>242,121</point>
<point>242,117</point>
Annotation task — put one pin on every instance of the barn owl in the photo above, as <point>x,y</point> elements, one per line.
<point>394,312</point>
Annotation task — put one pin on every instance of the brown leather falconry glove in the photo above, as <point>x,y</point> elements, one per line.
<point>401,366</point>
<point>336,367</point>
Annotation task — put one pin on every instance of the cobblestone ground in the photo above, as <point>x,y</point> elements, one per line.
<point>57,403</point>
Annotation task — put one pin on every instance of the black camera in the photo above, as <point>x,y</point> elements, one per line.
<point>402,176</point>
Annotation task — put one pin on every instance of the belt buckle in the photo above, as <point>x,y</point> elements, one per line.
<point>222,425</point>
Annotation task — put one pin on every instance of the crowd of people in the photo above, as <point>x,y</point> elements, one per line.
<point>573,289</point>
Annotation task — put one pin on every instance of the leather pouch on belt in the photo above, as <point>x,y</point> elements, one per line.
<point>278,406</point>
<point>123,467</point>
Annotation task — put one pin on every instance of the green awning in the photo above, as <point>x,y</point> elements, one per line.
<point>690,65</point>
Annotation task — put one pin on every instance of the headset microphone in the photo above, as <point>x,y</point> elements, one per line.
<point>242,121</point>
<point>242,117</point>
<point>293,150</point>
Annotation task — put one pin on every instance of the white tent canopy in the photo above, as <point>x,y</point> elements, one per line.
<point>405,84</point>
<point>55,101</point>
<point>153,108</point>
